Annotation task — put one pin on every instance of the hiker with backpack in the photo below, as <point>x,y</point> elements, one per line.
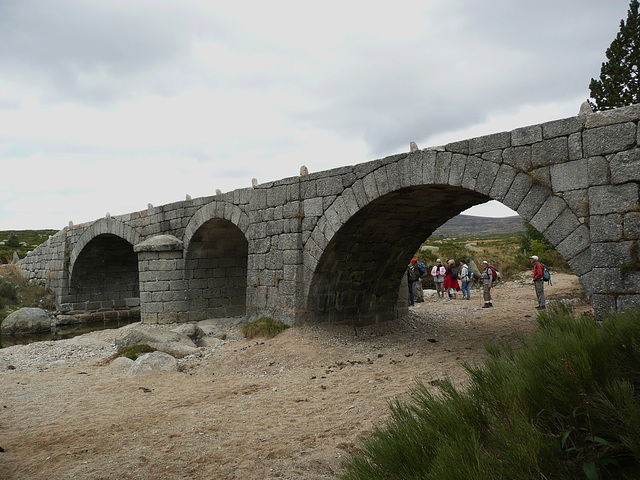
<point>422,270</point>
<point>413,275</point>
<point>466,274</point>
<point>487,277</point>
<point>538,281</point>
<point>451,284</point>
<point>438,272</point>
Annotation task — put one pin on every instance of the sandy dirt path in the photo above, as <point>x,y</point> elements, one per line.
<point>291,407</point>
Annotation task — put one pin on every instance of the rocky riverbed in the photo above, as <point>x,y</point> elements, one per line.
<point>290,407</point>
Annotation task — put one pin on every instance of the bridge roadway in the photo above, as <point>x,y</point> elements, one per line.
<point>333,245</point>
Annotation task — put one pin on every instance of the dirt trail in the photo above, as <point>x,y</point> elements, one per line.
<point>287,408</point>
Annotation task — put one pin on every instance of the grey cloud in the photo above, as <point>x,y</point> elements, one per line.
<point>118,42</point>
<point>393,93</point>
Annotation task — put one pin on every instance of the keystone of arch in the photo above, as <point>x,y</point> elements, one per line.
<point>102,227</point>
<point>220,210</point>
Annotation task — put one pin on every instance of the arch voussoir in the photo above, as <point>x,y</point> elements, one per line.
<point>103,226</point>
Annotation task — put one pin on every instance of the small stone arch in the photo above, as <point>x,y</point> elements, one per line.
<point>216,252</point>
<point>220,210</point>
<point>102,227</point>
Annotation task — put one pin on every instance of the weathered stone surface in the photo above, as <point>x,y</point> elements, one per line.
<point>613,199</point>
<point>518,157</point>
<point>120,364</point>
<point>562,128</point>
<point>575,243</point>
<point>496,141</point>
<point>625,166</point>
<point>610,117</point>
<point>526,135</point>
<point>532,203</point>
<point>578,202</point>
<point>569,176</point>
<point>191,330</point>
<point>598,171</point>
<point>548,152</point>
<point>173,343</point>
<point>154,361</point>
<point>609,139</point>
<point>606,228</point>
<point>159,243</point>
<point>26,320</point>
<point>611,254</point>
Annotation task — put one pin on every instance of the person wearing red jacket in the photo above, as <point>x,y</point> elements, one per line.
<point>538,282</point>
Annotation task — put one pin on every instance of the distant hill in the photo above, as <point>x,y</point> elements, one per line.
<point>468,225</point>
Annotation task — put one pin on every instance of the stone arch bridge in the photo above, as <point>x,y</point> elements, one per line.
<point>333,245</point>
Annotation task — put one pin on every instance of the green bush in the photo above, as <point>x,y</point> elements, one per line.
<point>263,327</point>
<point>134,351</point>
<point>565,405</point>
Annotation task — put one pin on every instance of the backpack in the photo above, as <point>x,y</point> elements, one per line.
<point>422,268</point>
<point>546,276</point>
<point>469,273</point>
<point>454,273</point>
<point>494,274</point>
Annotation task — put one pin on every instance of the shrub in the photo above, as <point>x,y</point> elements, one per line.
<point>134,351</point>
<point>263,327</point>
<point>565,405</point>
<point>15,291</point>
<point>7,291</point>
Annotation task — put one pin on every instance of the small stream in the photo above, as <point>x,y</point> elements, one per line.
<point>62,332</point>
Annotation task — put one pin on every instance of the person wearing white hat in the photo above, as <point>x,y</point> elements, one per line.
<point>538,282</point>
<point>487,283</point>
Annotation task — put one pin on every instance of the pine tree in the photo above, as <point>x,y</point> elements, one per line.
<point>619,84</point>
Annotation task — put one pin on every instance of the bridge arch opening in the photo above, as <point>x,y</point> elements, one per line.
<point>216,270</point>
<point>105,278</point>
<point>358,277</point>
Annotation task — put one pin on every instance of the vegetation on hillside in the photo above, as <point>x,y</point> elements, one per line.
<point>566,405</point>
<point>509,254</point>
<point>16,292</point>
<point>21,242</point>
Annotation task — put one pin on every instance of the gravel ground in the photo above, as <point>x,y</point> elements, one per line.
<point>290,407</point>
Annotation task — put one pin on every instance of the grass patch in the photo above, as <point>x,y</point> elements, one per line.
<point>263,327</point>
<point>135,351</point>
<point>566,405</point>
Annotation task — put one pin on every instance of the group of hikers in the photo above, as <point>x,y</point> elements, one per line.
<point>452,279</point>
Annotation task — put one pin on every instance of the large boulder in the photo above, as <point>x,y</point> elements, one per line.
<point>191,330</point>
<point>173,343</point>
<point>154,361</point>
<point>26,320</point>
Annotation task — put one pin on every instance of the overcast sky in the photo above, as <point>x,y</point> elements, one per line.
<point>106,106</point>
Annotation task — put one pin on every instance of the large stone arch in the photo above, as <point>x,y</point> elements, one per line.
<point>215,261</point>
<point>356,255</point>
<point>103,226</point>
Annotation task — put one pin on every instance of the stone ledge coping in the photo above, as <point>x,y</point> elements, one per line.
<point>159,243</point>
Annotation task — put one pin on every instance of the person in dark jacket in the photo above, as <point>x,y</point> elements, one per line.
<point>413,275</point>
